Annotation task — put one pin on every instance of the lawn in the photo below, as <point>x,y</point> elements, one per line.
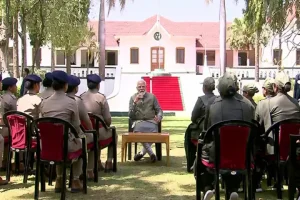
<point>134,180</point>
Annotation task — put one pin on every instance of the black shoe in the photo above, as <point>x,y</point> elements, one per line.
<point>138,156</point>
<point>153,158</point>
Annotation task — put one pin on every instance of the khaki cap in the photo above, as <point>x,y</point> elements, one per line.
<point>226,82</point>
<point>268,84</point>
<point>250,88</point>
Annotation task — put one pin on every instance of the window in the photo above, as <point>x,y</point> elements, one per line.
<point>60,57</point>
<point>210,58</point>
<point>111,58</point>
<point>180,53</point>
<point>87,58</point>
<point>199,59</point>
<point>298,57</point>
<point>277,56</point>
<point>242,56</point>
<point>134,56</point>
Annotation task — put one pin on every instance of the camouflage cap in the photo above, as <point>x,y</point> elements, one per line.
<point>282,78</point>
<point>268,84</point>
<point>250,88</point>
<point>209,81</point>
<point>234,77</point>
<point>226,84</point>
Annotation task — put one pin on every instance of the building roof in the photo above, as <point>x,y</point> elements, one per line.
<point>207,33</point>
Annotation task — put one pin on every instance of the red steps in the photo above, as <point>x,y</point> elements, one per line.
<point>167,91</point>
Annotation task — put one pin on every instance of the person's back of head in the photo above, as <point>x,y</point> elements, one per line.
<point>227,86</point>
<point>26,70</point>
<point>249,90</point>
<point>208,85</point>
<point>268,87</point>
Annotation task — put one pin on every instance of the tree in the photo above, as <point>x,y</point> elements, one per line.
<point>101,40</point>
<point>71,27</point>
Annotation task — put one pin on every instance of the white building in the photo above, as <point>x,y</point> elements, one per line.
<point>134,49</point>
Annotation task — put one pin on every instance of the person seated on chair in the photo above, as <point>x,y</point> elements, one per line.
<point>9,103</point>
<point>61,106</point>
<point>73,84</point>
<point>225,107</point>
<point>198,113</point>
<point>145,112</point>
<point>30,103</point>
<point>47,83</point>
<point>249,91</point>
<point>96,103</point>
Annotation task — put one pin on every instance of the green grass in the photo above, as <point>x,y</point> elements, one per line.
<point>134,180</point>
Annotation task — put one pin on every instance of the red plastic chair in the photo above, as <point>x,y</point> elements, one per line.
<point>52,137</point>
<point>97,123</point>
<point>233,143</point>
<point>20,139</point>
<point>281,133</point>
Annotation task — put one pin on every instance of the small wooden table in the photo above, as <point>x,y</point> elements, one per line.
<point>145,137</point>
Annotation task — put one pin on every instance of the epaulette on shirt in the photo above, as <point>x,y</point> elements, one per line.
<point>102,94</point>
<point>82,93</point>
<point>79,97</point>
<point>71,97</point>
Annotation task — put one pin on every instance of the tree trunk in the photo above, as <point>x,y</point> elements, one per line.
<point>3,56</point>
<point>87,60</point>
<point>16,73</point>
<point>37,60</point>
<point>280,51</point>
<point>68,63</point>
<point>52,59</point>
<point>24,43</point>
<point>256,76</point>
<point>222,37</point>
<point>101,40</point>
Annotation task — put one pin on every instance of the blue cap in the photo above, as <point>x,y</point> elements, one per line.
<point>9,81</point>
<point>48,75</point>
<point>93,78</point>
<point>74,81</point>
<point>60,76</point>
<point>34,78</point>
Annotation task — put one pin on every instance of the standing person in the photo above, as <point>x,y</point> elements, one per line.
<point>249,91</point>
<point>145,112</point>
<point>73,84</point>
<point>225,107</point>
<point>198,113</point>
<point>47,83</point>
<point>96,103</point>
<point>23,91</point>
<point>30,103</point>
<point>61,106</point>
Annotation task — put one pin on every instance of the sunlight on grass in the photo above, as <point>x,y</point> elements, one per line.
<point>134,180</point>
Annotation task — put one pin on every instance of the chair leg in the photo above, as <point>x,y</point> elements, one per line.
<point>96,165</point>
<point>291,183</point>
<point>135,148</point>
<point>37,177</point>
<point>158,151</point>
<point>8,165</point>
<point>50,173</point>
<point>217,186</point>
<point>17,162</point>
<point>84,166</point>
<point>26,165</point>
<point>129,151</point>
<point>43,185</point>
<point>115,157</point>
<point>71,176</point>
<point>63,189</point>
<point>198,188</point>
<point>279,181</point>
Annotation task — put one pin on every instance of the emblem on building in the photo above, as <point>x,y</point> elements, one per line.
<point>157,36</point>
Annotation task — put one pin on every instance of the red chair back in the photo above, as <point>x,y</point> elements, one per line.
<point>51,140</point>
<point>233,147</point>
<point>285,130</point>
<point>93,121</point>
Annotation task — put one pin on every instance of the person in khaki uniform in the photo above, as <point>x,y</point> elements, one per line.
<point>145,112</point>
<point>30,103</point>
<point>194,129</point>
<point>2,182</point>
<point>8,103</point>
<point>73,83</point>
<point>249,91</point>
<point>225,107</point>
<point>61,106</point>
<point>96,103</point>
<point>47,83</point>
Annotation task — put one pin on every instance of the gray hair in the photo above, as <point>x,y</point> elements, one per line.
<point>142,81</point>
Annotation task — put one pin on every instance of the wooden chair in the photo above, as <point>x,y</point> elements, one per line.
<point>158,146</point>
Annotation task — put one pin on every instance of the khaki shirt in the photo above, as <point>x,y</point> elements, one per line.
<point>46,93</point>
<point>61,106</point>
<point>30,104</point>
<point>83,114</point>
<point>96,103</point>
<point>8,103</point>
